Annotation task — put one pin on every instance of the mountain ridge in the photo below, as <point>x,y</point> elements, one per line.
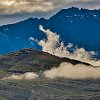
<point>73,25</point>
<point>28,60</point>
<point>64,9</point>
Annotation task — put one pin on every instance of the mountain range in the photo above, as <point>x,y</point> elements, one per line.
<point>23,65</point>
<point>80,27</point>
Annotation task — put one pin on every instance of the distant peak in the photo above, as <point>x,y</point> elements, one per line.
<point>31,18</point>
<point>73,11</point>
<point>74,8</point>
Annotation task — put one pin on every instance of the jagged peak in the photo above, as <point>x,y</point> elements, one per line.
<point>75,11</point>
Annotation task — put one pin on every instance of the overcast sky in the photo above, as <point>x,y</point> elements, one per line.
<point>15,10</point>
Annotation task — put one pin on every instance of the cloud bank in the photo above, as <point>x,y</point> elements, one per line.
<point>19,6</point>
<point>69,71</point>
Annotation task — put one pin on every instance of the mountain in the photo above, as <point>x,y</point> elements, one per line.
<point>28,60</point>
<point>16,36</point>
<point>78,26</point>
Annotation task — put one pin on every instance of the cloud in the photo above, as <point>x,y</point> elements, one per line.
<point>19,6</point>
<point>26,76</point>
<point>69,71</point>
<point>53,46</point>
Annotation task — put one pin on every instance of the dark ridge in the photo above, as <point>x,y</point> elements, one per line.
<point>31,60</point>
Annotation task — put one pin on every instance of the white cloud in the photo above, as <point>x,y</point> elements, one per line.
<point>26,76</point>
<point>17,6</point>
<point>53,46</point>
<point>7,3</point>
<point>69,71</point>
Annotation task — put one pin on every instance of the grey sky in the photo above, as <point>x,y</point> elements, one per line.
<point>16,10</point>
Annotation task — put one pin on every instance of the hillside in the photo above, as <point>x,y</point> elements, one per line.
<point>15,85</point>
<point>28,60</point>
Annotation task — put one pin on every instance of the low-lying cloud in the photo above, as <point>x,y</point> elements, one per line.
<point>69,71</point>
<point>26,76</point>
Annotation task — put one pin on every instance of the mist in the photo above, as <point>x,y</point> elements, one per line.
<point>26,76</point>
<point>69,71</point>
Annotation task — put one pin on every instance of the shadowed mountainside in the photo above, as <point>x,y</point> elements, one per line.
<point>27,60</point>
<point>78,26</point>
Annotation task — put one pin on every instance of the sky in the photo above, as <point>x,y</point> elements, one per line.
<point>12,11</point>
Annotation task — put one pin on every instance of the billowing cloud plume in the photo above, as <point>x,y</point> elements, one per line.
<point>53,46</point>
<point>18,6</point>
<point>26,76</point>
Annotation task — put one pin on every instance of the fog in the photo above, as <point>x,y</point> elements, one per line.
<point>69,71</point>
<point>26,76</point>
